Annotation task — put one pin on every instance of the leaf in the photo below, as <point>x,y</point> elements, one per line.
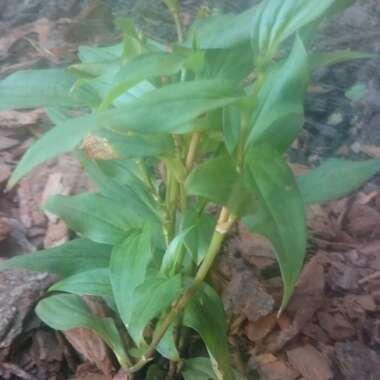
<point>94,282</point>
<point>282,209</point>
<point>201,369</point>
<point>134,145</point>
<point>130,261</point>
<point>68,311</point>
<point>76,256</point>
<point>226,188</point>
<point>205,314</point>
<point>174,252</point>
<point>151,298</point>
<point>199,236</point>
<point>189,99</point>
<point>91,54</point>
<point>279,114</point>
<point>121,181</point>
<point>320,60</point>
<point>335,178</point>
<point>144,66</point>
<point>231,127</point>
<point>276,20</point>
<point>222,63</point>
<point>222,31</point>
<point>93,216</point>
<point>37,88</point>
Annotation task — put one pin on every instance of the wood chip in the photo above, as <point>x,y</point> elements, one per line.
<point>310,363</point>
<point>6,143</point>
<point>272,368</point>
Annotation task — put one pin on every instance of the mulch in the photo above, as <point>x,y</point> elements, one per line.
<point>330,330</point>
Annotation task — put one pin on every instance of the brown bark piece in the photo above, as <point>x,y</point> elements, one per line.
<point>4,228</point>
<point>5,172</point>
<point>337,326</point>
<point>272,368</point>
<point>19,291</point>
<point>357,361</point>
<point>310,363</point>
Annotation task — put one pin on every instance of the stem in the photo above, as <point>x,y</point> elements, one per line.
<point>191,154</point>
<point>178,25</point>
<point>225,222</point>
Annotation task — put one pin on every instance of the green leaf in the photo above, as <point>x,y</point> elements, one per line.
<point>320,60</point>
<point>121,181</point>
<point>144,66</point>
<point>226,188</point>
<point>205,314</point>
<point>231,127</point>
<point>174,252</point>
<point>201,369</point>
<point>222,31</point>
<point>335,178</point>
<point>151,298</point>
<point>68,311</point>
<point>76,256</point>
<point>199,236</point>
<point>38,88</point>
<point>276,20</point>
<point>91,54</point>
<point>93,216</point>
<point>222,63</point>
<point>129,266</point>
<point>282,209</point>
<point>134,145</point>
<point>94,282</point>
<point>189,99</point>
<point>198,369</point>
<point>279,114</point>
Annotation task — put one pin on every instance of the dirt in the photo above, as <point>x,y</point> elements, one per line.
<point>331,329</point>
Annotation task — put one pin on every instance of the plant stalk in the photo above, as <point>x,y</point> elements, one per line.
<point>224,223</point>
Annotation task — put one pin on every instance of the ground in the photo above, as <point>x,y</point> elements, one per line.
<point>331,329</point>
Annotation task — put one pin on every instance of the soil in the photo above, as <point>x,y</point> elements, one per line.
<point>331,329</point>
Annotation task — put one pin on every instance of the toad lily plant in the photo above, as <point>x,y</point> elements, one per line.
<point>165,132</point>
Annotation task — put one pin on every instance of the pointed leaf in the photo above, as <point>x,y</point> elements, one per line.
<point>279,114</point>
<point>121,181</point>
<point>321,60</point>
<point>129,266</point>
<point>135,145</point>
<point>276,20</point>
<point>198,238</point>
<point>226,188</point>
<point>174,252</point>
<point>201,369</point>
<point>283,211</point>
<point>335,178</point>
<point>95,217</point>
<point>37,88</point>
<point>94,282</point>
<point>205,314</point>
<point>222,31</point>
<point>189,99</point>
<point>68,259</point>
<point>68,311</point>
<point>151,298</point>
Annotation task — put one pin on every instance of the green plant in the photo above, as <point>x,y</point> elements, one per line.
<point>163,132</point>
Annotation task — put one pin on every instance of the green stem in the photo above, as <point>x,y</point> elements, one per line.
<point>224,223</point>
